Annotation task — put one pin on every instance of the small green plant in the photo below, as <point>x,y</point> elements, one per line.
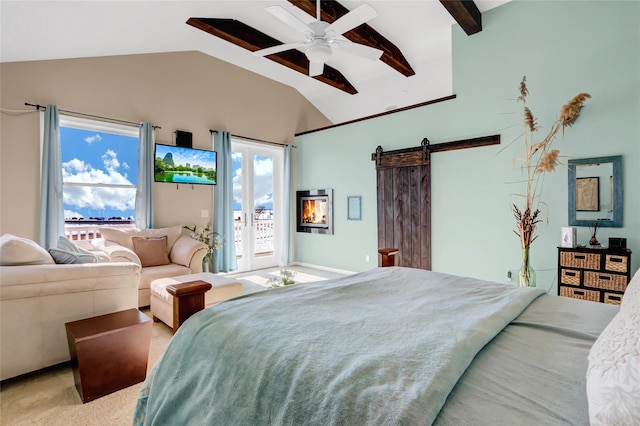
<point>213,240</point>
<point>286,278</point>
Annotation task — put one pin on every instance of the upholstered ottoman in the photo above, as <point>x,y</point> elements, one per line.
<point>162,302</point>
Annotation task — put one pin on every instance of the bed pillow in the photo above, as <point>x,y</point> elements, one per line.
<point>15,251</point>
<point>64,256</point>
<point>613,375</point>
<point>152,251</point>
<point>632,292</point>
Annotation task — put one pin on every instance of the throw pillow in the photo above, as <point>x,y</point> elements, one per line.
<point>152,251</point>
<point>172,233</point>
<point>65,244</point>
<point>69,246</point>
<point>64,256</point>
<point>613,375</point>
<point>22,251</point>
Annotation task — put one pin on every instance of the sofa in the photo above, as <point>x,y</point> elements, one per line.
<point>161,253</point>
<point>38,296</point>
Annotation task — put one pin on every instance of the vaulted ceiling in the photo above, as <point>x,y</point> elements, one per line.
<point>414,37</point>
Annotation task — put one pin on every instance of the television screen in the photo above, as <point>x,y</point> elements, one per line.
<point>176,164</point>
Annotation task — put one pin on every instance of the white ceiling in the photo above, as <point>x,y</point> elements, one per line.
<point>53,29</point>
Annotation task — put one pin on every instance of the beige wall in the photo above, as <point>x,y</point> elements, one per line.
<point>178,91</point>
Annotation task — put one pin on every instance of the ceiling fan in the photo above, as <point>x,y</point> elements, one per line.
<point>320,36</point>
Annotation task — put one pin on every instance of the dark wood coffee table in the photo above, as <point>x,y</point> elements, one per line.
<point>109,352</point>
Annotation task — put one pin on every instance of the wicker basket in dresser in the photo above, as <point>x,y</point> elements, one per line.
<point>599,275</point>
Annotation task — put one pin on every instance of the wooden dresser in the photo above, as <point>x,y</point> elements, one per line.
<point>599,275</point>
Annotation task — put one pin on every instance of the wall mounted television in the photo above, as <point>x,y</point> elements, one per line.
<point>175,164</point>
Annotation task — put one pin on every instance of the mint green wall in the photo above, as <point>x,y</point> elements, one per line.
<point>563,48</point>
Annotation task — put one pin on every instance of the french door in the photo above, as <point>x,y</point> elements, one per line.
<point>258,204</point>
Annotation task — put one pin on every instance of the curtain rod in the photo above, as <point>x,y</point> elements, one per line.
<point>255,139</point>
<point>82,114</point>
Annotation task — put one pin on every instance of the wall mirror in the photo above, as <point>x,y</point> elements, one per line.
<point>595,191</point>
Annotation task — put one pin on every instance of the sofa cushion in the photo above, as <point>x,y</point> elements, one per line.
<point>63,256</point>
<point>22,251</point>
<point>152,251</point>
<point>147,275</point>
<point>123,236</point>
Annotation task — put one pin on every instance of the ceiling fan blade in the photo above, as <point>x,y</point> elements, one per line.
<point>357,49</point>
<point>277,49</point>
<point>316,68</point>
<point>352,19</point>
<point>288,18</point>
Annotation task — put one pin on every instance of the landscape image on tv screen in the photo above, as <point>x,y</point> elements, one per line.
<point>174,164</point>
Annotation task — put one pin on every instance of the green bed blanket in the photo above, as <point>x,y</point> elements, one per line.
<point>383,347</point>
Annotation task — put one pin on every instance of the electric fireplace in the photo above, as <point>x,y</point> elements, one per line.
<point>314,211</point>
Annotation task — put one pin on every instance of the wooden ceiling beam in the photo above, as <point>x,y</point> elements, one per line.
<point>466,14</point>
<point>251,39</point>
<point>330,11</point>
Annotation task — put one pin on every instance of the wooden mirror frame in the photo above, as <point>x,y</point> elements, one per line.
<point>616,222</point>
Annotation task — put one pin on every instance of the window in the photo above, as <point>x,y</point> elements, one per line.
<point>99,174</point>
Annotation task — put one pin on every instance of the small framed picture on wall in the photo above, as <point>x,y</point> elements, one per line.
<point>354,207</point>
<point>588,194</point>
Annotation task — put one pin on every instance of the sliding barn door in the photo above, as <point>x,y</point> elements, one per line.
<point>404,207</point>
<point>404,198</point>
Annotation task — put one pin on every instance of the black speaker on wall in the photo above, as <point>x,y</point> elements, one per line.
<point>184,139</point>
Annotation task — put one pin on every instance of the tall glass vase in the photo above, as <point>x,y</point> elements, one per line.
<point>526,276</point>
<point>206,264</point>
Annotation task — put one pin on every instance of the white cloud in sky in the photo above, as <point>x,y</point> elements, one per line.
<point>262,185</point>
<point>92,139</point>
<point>263,181</point>
<point>71,213</point>
<point>110,160</point>
<point>237,186</point>
<point>98,198</point>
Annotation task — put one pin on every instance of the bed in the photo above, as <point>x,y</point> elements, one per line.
<point>400,346</point>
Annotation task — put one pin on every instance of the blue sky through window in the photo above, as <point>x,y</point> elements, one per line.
<point>100,158</point>
<point>263,181</point>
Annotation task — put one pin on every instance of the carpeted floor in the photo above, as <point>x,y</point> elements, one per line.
<point>49,397</point>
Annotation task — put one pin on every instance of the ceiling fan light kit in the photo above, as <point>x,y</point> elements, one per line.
<point>319,51</point>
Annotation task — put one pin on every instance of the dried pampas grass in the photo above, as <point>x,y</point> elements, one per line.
<point>539,158</point>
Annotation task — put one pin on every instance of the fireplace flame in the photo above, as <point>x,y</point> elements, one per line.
<point>314,211</point>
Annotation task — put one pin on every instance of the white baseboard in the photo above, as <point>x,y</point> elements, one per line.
<point>323,268</point>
